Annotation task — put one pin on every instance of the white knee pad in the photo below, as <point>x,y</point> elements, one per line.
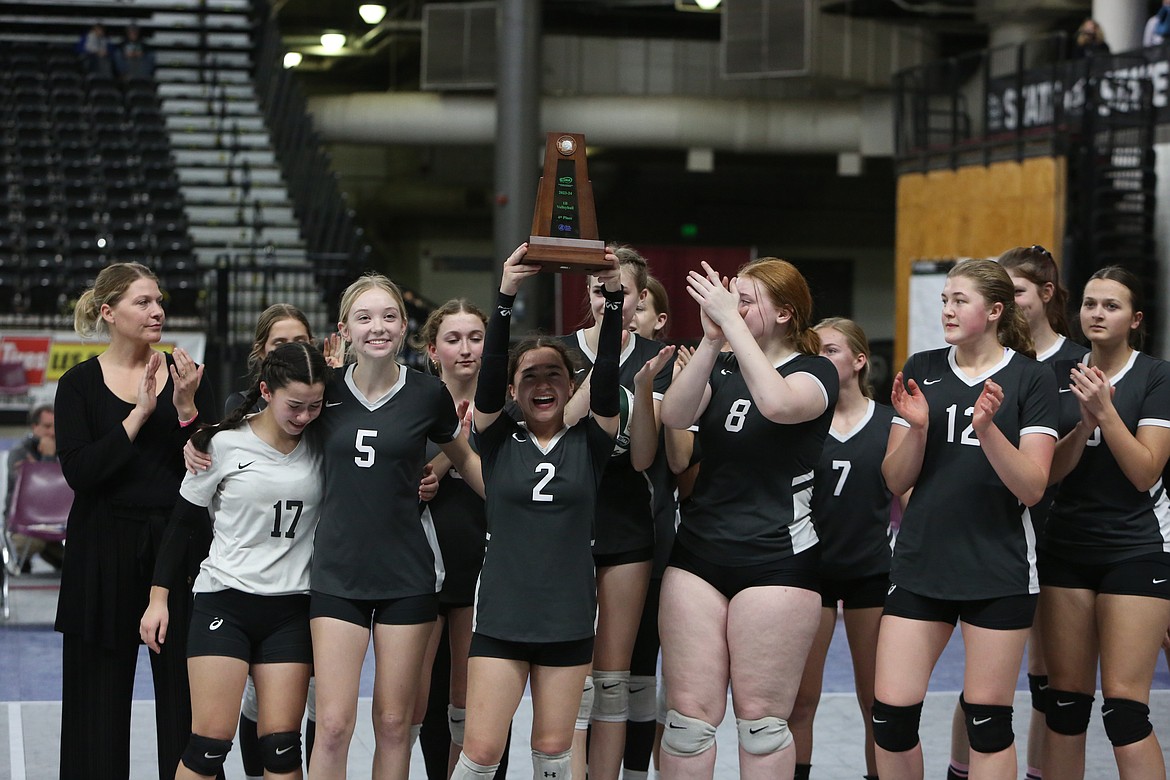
<point>585,710</point>
<point>415,730</point>
<point>551,767</point>
<point>661,702</point>
<point>763,735</point>
<point>685,736</point>
<point>466,769</point>
<point>311,701</point>
<point>643,701</point>
<point>250,708</point>
<point>612,696</point>
<point>456,723</point>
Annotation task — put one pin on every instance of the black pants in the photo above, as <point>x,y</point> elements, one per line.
<point>97,687</point>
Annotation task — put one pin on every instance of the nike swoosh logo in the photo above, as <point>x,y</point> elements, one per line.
<point>757,731</point>
<point>282,751</point>
<point>331,404</point>
<point>891,590</point>
<point>1158,582</point>
<point>1066,389</point>
<point>979,722</point>
<point>931,381</point>
<point>724,371</point>
<point>208,755</point>
<point>610,686</point>
<point>458,720</point>
<point>638,690</point>
<point>675,726</point>
<point>875,720</point>
<point>246,465</point>
<point>1105,712</point>
<point>1060,703</point>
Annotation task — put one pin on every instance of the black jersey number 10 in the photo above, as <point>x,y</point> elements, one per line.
<point>290,505</point>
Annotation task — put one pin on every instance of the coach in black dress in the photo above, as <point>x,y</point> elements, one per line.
<point>122,421</point>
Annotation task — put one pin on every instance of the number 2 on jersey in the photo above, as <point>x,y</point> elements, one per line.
<point>549,471</point>
<point>290,505</point>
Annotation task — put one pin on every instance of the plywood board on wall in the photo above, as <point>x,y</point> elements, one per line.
<point>974,211</point>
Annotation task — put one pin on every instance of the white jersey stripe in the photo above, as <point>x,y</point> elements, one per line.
<point>1162,513</point>
<point>428,526</point>
<point>1030,551</point>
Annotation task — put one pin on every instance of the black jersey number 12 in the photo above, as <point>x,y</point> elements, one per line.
<point>290,505</point>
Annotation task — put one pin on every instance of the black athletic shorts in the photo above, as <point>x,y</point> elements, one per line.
<point>617,559</point>
<point>254,628</point>
<point>574,652</point>
<point>795,571</point>
<point>1006,613</point>
<point>856,593</point>
<point>1145,575</point>
<point>406,611</point>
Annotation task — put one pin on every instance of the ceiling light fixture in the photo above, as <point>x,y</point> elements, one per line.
<point>292,59</point>
<point>372,13</point>
<point>333,42</point>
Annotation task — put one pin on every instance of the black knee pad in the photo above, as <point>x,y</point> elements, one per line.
<point>895,729</point>
<point>1126,721</point>
<point>1068,712</point>
<point>205,756</point>
<point>281,752</point>
<point>989,726</point>
<point>1038,685</point>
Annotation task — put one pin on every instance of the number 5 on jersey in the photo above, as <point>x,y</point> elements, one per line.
<point>365,457</point>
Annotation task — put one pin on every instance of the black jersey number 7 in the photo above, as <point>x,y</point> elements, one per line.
<point>290,505</point>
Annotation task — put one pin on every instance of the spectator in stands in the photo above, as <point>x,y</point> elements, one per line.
<point>95,51</point>
<point>133,59</point>
<point>39,445</point>
<point>1089,41</point>
<point>1158,26</point>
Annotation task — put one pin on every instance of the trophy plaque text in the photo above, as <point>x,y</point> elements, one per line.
<point>564,227</point>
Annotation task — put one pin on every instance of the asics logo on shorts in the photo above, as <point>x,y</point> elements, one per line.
<point>216,624</point>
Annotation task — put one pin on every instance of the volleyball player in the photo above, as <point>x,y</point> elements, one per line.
<point>251,606</point>
<point>536,604</point>
<point>624,548</point>
<point>974,436</point>
<point>739,598</point>
<point>1043,301</point>
<point>851,509</point>
<point>1105,552</point>
<point>376,565</point>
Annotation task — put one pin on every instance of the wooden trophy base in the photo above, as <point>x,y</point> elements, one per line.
<point>566,255</point>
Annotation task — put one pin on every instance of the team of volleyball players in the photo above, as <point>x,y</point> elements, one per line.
<point>556,553</point>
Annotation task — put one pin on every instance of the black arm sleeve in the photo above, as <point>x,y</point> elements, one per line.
<point>603,395</point>
<point>493,371</point>
<point>170,565</point>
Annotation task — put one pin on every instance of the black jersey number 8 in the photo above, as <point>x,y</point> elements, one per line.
<point>296,507</point>
<point>549,471</point>
<point>738,413</point>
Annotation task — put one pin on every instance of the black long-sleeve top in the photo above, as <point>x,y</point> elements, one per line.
<point>124,492</point>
